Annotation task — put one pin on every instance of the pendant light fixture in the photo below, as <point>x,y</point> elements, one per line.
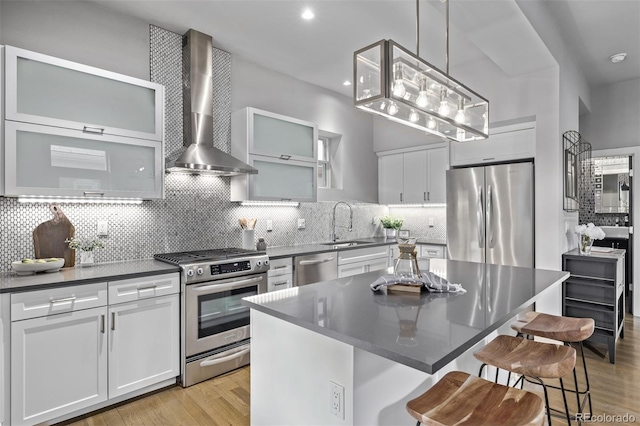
<point>391,81</point>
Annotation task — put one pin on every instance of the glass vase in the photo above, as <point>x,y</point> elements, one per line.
<point>86,258</point>
<point>585,245</point>
<point>390,232</point>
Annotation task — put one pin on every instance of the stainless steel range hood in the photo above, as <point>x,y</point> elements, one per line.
<point>197,107</point>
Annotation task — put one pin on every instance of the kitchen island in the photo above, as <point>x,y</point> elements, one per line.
<point>382,348</point>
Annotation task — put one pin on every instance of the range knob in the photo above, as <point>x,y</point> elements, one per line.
<point>190,273</point>
<point>266,262</point>
<point>200,271</point>
<point>259,263</point>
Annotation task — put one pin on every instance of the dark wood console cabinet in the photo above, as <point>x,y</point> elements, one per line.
<point>595,290</point>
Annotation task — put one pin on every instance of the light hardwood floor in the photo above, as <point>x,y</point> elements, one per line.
<point>225,400</point>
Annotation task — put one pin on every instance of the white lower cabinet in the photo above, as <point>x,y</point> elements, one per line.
<point>58,365</point>
<point>143,343</point>
<point>352,269</point>
<point>360,261</point>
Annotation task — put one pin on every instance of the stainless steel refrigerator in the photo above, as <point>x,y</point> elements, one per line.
<point>490,214</point>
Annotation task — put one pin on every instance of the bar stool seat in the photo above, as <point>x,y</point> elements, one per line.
<point>564,329</point>
<point>459,398</point>
<point>528,357</point>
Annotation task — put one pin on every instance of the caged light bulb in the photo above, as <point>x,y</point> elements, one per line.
<point>444,107</point>
<point>422,101</point>
<point>398,86</point>
<point>460,116</point>
<point>413,116</point>
<point>431,124</point>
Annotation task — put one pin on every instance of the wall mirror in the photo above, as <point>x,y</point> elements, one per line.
<point>611,184</point>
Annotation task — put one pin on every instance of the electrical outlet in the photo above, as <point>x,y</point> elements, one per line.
<point>103,228</point>
<point>302,223</point>
<point>269,225</point>
<point>431,222</point>
<point>336,400</point>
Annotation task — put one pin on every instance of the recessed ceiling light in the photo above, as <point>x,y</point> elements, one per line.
<point>618,57</point>
<point>308,14</point>
<point>346,83</point>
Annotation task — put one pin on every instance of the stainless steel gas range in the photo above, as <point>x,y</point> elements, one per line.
<point>214,325</point>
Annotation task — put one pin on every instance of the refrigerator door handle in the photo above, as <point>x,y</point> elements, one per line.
<point>480,218</point>
<point>489,217</point>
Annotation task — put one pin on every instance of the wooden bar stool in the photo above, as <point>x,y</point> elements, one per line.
<point>532,359</point>
<point>459,398</point>
<point>567,330</point>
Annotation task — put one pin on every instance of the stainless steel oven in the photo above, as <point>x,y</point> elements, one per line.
<point>215,326</point>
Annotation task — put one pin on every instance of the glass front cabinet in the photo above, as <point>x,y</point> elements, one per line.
<point>73,130</point>
<point>283,149</point>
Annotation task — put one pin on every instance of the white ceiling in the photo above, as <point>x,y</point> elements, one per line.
<point>272,34</point>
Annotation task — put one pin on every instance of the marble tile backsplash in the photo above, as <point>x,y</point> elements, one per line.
<point>587,212</point>
<point>416,220</point>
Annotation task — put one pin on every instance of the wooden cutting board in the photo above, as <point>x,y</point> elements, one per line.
<point>49,237</point>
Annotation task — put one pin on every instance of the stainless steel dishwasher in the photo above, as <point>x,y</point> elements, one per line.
<point>314,268</point>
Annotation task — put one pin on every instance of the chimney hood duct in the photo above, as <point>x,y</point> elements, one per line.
<point>197,111</point>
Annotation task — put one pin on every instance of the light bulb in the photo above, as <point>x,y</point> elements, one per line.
<point>393,108</point>
<point>444,107</point>
<point>431,124</point>
<point>398,88</point>
<point>460,117</point>
<point>422,100</point>
<point>413,116</point>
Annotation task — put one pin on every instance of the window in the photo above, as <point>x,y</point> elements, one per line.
<point>324,166</point>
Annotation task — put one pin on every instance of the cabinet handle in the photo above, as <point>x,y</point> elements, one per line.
<point>401,197</point>
<point>64,299</point>
<point>148,287</point>
<point>488,159</point>
<point>94,130</point>
<point>113,320</point>
<point>428,196</point>
<point>94,193</point>
<point>285,199</point>
<point>424,196</point>
<point>280,283</point>
<point>285,157</point>
<point>280,267</point>
<point>102,323</point>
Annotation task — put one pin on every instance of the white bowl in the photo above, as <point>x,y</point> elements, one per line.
<point>30,268</point>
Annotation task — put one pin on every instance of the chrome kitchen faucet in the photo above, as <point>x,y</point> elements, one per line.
<point>334,237</point>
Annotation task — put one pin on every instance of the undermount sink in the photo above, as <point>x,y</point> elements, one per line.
<point>616,231</point>
<point>346,244</point>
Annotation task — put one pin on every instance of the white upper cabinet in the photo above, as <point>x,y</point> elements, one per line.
<point>283,149</point>
<point>413,177</point>
<point>45,90</point>
<point>52,161</point>
<point>1,123</point>
<point>504,144</point>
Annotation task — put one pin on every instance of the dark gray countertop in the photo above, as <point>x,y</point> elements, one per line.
<point>423,331</point>
<point>304,249</point>
<point>12,283</point>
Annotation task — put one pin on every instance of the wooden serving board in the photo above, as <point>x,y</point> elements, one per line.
<point>407,288</point>
<point>49,237</point>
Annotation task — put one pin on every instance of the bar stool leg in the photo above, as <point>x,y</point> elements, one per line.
<point>586,376</point>
<point>546,397</point>
<point>564,398</point>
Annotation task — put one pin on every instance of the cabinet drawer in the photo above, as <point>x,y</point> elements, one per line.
<point>143,288</point>
<point>604,316</point>
<point>584,290</point>
<point>591,268</point>
<point>280,267</point>
<point>363,254</point>
<point>279,282</point>
<point>41,303</point>
<point>430,251</point>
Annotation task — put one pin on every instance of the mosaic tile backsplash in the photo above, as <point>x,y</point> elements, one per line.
<point>587,211</point>
<point>196,212</point>
<point>416,220</point>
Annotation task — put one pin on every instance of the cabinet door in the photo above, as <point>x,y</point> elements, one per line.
<point>377,264</point>
<point>58,365</point>
<point>390,179</point>
<point>51,161</point>
<point>1,125</point>
<point>282,180</point>
<point>45,90</point>
<point>437,175</point>
<point>414,171</point>
<point>508,145</point>
<point>352,269</point>
<point>279,136</point>
<point>144,343</point>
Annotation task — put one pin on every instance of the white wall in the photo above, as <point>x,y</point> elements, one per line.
<point>614,119</point>
<point>255,86</point>
<point>78,31</point>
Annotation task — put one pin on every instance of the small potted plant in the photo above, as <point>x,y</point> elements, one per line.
<point>391,225</point>
<point>588,233</point>
<point>86,248</point>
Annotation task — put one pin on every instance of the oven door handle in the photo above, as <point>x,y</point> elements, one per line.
<point>315,262</point>
<point>229,286</point>
<point>214,361</point>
